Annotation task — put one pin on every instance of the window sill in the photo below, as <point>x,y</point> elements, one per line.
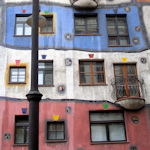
<point>104,84</point>
<point>86,34</point>
<point>117,142</point>
<point>15,145</point>
<point>46,85</point>
<point>55,141</point>
<point>119,45</point>
<point>47,33</point>
<point>22,35</point>
<point>17,83</point>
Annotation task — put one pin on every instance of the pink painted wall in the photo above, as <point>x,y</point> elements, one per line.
<point>78,127</point>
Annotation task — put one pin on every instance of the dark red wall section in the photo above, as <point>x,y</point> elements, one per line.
<point>78,126</point>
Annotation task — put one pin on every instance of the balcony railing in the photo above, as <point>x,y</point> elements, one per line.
<point>84,4</point>
<point>129,92</point>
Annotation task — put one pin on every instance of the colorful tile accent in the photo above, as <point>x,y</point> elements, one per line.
<point>55,117</point>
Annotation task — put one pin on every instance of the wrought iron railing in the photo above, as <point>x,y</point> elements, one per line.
<point>129,86</point>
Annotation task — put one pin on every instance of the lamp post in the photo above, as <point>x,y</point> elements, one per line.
<point>34,96</point>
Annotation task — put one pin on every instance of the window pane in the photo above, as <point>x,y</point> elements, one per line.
<point>60,127</point>
<point>112,30</point>
<point>80,30</point>
<point>92,20</point>
<point>85,67</point>
<point>85,78</point>
<point>14,71</point>
<point>19,135</point>
<point>124,40</point>
<point>122,30</point>
<point>40,77</point>
<point>130,69</point>
<point>48,78</point>
<point>122,27</point>
<point>49,65</point>
<point>13,79</point>
<point>21,79</point>
<point>27,135</point>
<point>52,127</point>
<point>92,25</point>
<point>21,19</point>
<point>120,80</point>
<point>41,65</point>
<point>106,116</point>
<point>98,133</point>
<point>79,21</point>
<point>113,41</point>
<point>51,135</point>
<point>97,66</point>
<point>111,26</point>
<point>119,70</point>
<point>56,131</point>
<point>21,71</point>
<point>60,135</point>
<point>117,132</point>
<point>98,77</point>
<point>92,30</point>
<point>49,28</point>
<point>27,30</point>
<point>121,91</point>
<point>19,29</point>
<point>43,29</point>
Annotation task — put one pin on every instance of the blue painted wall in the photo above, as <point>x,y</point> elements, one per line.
<point>65,24</point>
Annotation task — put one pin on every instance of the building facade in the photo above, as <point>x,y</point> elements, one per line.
<point>93,72</point>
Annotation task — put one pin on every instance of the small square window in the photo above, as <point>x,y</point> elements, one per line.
<point>107,127</point>
<point>21,129</point>
<point>117,30</point>
<point>17,75</point>
<point>48,28</point>
<point>56,131</point>
<point>86,24</point>
<point>92,72</point>
<point>21,27</point>
<point>45,73</point>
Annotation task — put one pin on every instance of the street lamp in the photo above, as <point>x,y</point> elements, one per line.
<point>34,96</point>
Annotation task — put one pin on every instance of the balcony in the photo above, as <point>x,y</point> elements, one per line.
<point>129,92</point>
<point>84,4</point>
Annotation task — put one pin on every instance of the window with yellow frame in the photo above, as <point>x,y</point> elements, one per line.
<point>49,27</point>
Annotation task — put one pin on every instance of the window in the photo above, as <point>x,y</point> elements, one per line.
<point>45,73</point>
<point>21,130</point>
<point>17,75</point>
<point>48,28</point>
<point>56,131</point>
<point>107,126</point>
<point>126,81</point>
<point>117,30</point>
<point>92,72</point>
<point>86,24</point>
<point>21,28</point>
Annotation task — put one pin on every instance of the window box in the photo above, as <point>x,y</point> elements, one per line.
<point>45,73</point>
<point>21,130</point>
<point>86,24</point>
<point>92,72</point>
<point>56,132</point>
<point>107,127</point>
<point>17,75</point>
<point>117,30</point>
<point>21,27</point>
<point>49,27</point>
